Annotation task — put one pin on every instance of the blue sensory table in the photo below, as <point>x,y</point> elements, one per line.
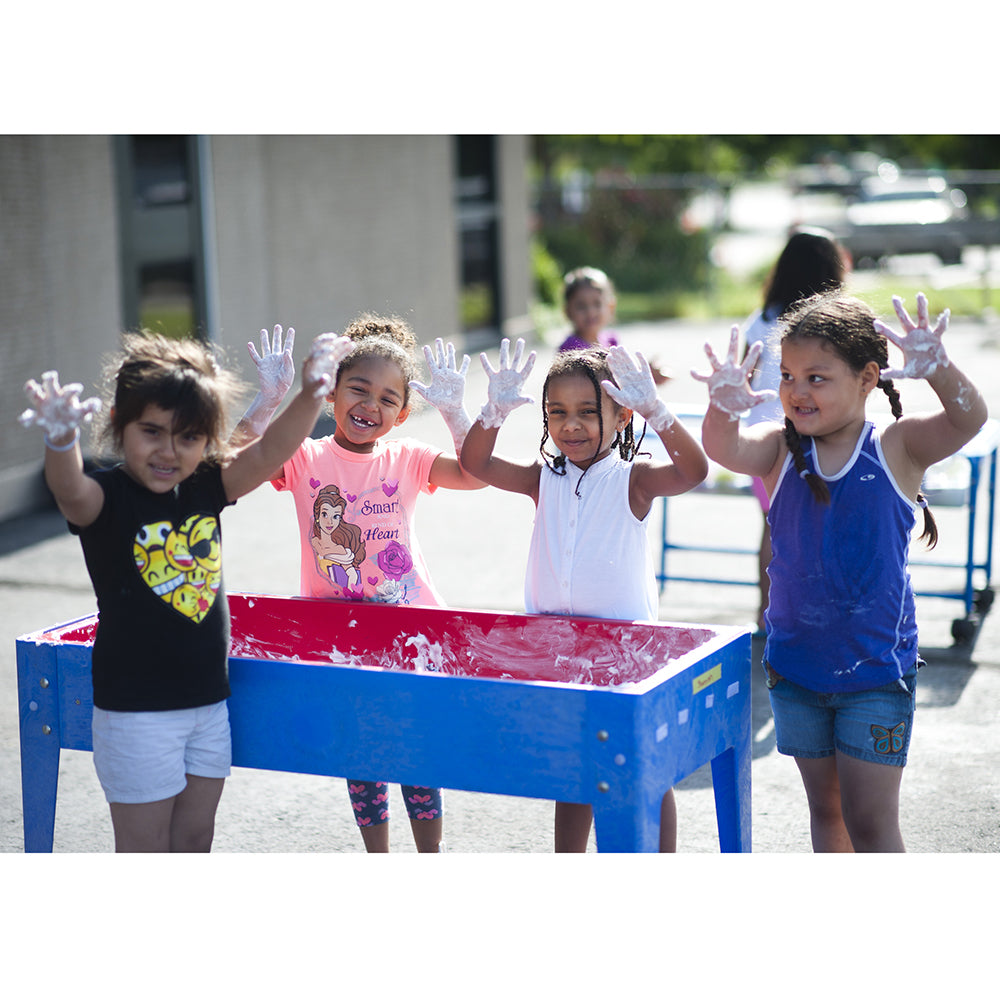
<point>612,713</point>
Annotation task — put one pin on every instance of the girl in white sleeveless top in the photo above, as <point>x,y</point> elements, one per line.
<point>589,551</point>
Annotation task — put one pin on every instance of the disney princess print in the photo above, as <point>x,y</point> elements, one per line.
<point>360,543</point>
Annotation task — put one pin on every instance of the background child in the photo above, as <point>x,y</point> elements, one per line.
<point>589,302</point>
<point>841,655</point>
<point>149,528</point>
<point>589,551</point>
<point>811,262</point>
<point>355,495</point>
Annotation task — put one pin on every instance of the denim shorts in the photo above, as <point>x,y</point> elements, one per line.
<point>146,756</point>
<point>871,725</point>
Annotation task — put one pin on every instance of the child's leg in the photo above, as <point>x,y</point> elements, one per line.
<point>370,802</point>
<point>763,553</point>
<point>804,730</point>
<point>208,756</point>
<point>574,819</point>
<point>425,809</point>
<point>375,838</point>
<point>192,822</point>
<point>869,796</point>
<point>826,820</point>
<point>668,823</point>
<point>427,834</point>
<point>873,737</point>
<point>572,827</point>
<point>764,581</point>
<point>163,775</point>
<point>142,827</point>
<point>184,823</point>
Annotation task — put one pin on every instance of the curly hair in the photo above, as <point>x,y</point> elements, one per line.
<point>387,337</point>
<point>846,326</point>
<point>590,364</point>
<point>182,375</point>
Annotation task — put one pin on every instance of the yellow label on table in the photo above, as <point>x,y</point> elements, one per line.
<point>702,681</point>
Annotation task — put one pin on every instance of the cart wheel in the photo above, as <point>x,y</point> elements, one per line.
<point>984,600</point>
<point>963,631</point>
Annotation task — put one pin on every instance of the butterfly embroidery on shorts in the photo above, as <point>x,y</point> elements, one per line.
<point>889,740</point>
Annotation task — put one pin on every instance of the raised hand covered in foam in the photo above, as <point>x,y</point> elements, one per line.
<point>504,392</point>
<point>923,352</point>
<point>319,372</point>
<point>57,409</point>
<point>729,382</point>
<point>274,364</point>
<point>636,388</point>
<point>446,391</point>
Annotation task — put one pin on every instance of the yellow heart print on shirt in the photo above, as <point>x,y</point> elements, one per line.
<point>183,566</point>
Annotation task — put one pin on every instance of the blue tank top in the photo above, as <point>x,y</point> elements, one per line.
<point>841,615</point>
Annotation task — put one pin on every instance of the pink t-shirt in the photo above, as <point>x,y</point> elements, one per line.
<point>355,515</point>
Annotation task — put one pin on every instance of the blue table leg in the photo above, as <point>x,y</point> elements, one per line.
<point>621,826</point>
<point>731,768</point>
<point>38,696</point>
<point>731,784</point>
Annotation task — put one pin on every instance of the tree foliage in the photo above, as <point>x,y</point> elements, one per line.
<point>618,201</point>
<point>750,154</point>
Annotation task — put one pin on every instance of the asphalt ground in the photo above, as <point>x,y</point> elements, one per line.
<point>299,909</point>
<point>476,546</point>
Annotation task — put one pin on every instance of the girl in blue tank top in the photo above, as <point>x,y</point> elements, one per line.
<point>841,652</point>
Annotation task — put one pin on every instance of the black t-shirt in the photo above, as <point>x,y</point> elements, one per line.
<point>155,561</point>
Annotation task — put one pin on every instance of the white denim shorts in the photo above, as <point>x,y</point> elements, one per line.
<point>146,756</point>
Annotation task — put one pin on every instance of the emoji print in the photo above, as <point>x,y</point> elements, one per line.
<point>182,566</point>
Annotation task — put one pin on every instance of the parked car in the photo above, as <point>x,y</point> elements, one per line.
<point>906,215</point>
<point>841,173</point>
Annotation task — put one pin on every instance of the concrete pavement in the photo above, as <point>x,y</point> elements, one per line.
<point>476,545</point>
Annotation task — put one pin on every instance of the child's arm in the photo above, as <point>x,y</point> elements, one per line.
<point>636,391</point>
<point>265,458</point>
<point>929,438</point>
<point>752,451</point>
<point>504,395</point>
<point>275,374</point>
<point>447,394</point>
<point>59,412</point>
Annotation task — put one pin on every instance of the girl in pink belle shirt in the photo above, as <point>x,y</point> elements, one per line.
<point>355,495</point>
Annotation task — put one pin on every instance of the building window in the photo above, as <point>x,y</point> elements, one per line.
<point>476,197</point>
<point>160,225</point>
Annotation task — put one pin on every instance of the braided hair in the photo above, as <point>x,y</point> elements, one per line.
<point>591,364</point>
<point>846,325</point>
